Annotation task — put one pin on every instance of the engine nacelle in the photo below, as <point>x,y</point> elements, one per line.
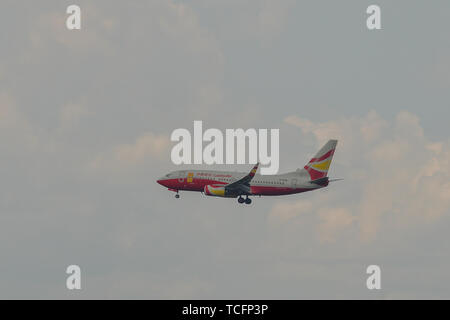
<point>218,191</point>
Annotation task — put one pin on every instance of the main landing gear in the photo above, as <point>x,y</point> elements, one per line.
<point>246,200</point>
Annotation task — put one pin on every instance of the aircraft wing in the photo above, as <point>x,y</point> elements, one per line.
<point>243,184</point>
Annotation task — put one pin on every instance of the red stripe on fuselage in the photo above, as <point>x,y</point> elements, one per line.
<point>196,184</point>
<point>199,185</point>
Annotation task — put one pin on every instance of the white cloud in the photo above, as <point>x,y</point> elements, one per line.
<point>349,131</point>
<point>405,180</point>
<point>285,211</point>
<point>272,18</point>
<point>333,221</point>
<point>147,148</point>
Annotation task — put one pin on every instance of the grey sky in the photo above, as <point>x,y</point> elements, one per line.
<point>85,118</point>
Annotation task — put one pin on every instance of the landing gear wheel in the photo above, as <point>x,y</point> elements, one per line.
<point>241,200</point>
<point>177,196</point>
<point>248,201</point>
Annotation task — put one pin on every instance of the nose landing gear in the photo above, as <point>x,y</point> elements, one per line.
<point>175,190</point>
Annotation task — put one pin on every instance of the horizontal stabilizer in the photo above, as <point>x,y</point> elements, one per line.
<point>321,182</point>
<point>324,181</point>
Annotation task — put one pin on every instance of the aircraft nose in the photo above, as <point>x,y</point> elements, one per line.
<point>161,181</point>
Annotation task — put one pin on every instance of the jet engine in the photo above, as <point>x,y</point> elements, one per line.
<point>218,191</point>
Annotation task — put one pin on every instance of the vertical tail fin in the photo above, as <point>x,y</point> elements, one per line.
<point>318,166</point>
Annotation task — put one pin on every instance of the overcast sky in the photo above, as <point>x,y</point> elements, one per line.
<point>85,121</point>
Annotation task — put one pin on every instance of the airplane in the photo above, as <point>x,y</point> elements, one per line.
<point>236,185</point>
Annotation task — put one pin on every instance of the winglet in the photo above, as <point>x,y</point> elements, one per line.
<point>253,172</point>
